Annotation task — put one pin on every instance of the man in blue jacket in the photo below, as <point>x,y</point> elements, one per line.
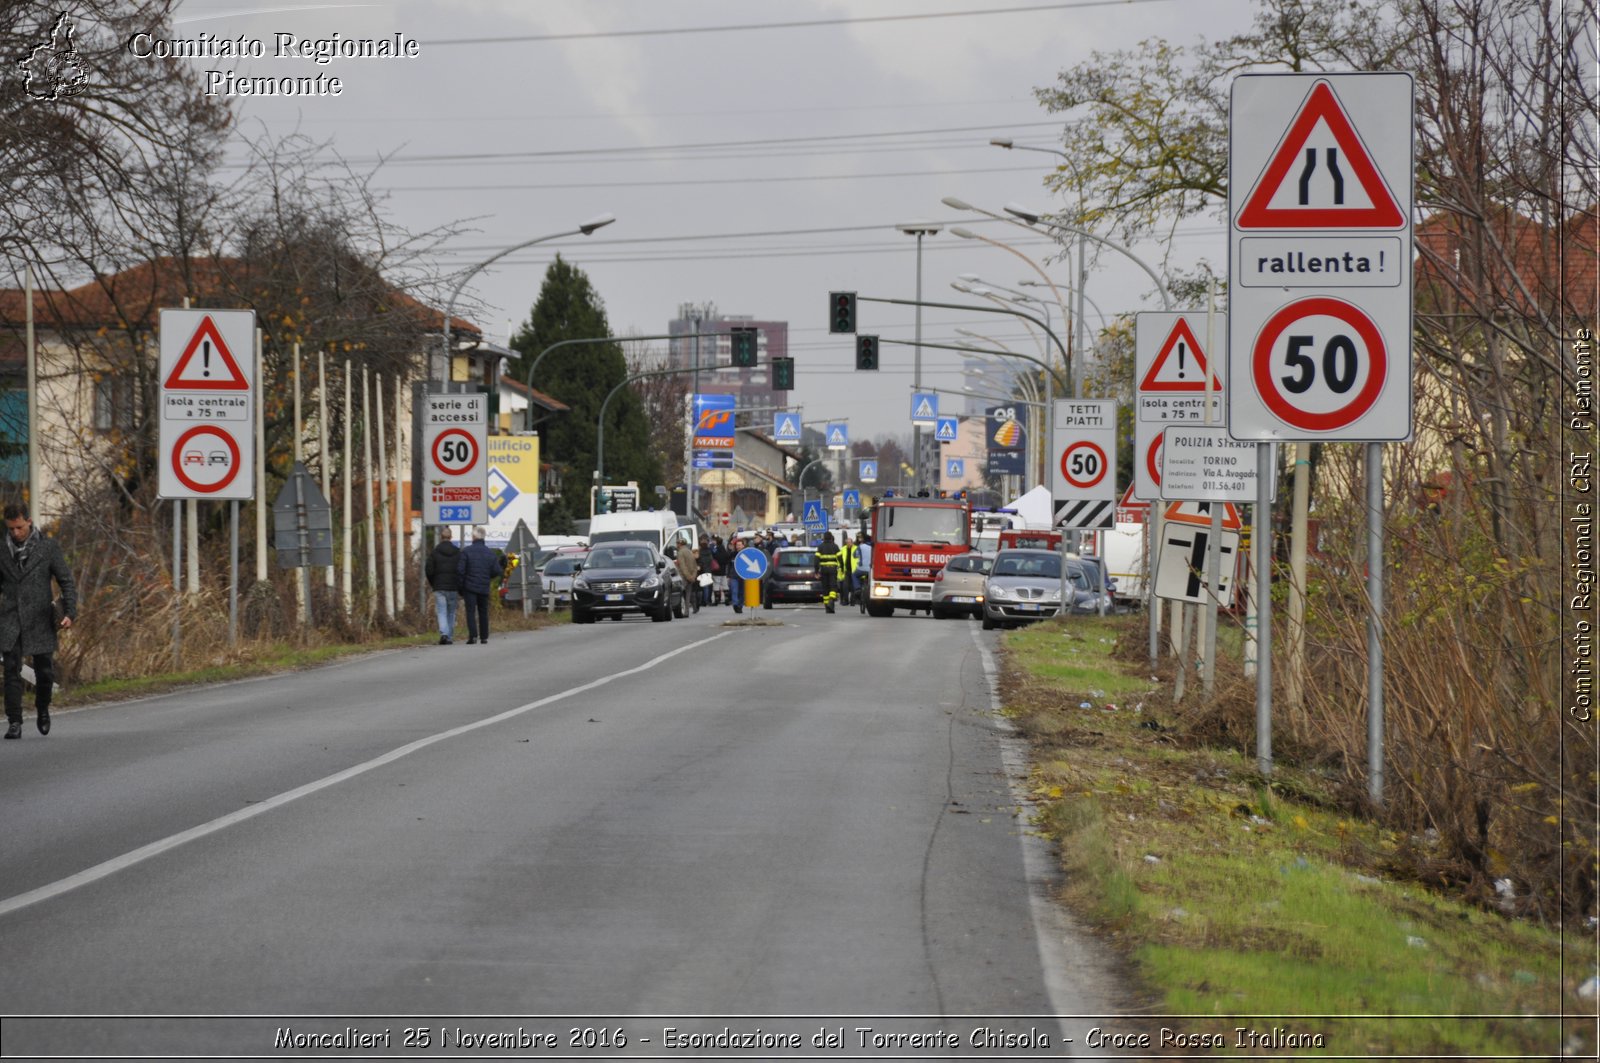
<point>477,568</point>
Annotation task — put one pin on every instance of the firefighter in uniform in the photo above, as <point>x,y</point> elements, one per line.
<point>829,560</point>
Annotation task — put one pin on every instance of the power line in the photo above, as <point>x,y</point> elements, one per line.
<point>798,24</point>
<point>703,181</point>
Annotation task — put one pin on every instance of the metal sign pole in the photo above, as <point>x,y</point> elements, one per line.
<point>1375,622</point>
<point>1211,610</point>
<point>1263,535</point>
<point>304,534</point>
<point>177,577</point>
<point>233,572</point>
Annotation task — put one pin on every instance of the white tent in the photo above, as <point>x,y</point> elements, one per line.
<point>1036,508</point>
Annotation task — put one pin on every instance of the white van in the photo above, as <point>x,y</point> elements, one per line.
<point>658,526</point>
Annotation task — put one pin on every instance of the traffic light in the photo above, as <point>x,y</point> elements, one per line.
<point>744,347</point>
<point>783,374</point>
<point>841,311</point>
<point>867,353</point>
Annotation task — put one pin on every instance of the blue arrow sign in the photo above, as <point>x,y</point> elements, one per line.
<point>924,407</point>
<point>955,468</point>
<point>750,563</point>
<point>945,428</point>
<point>838,437</point>
<point>786,428</point>
<point>851,499</point>
<point>812,513</point>
<point>868,472</point>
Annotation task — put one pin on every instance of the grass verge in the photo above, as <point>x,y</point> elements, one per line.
<point>1264,902</point>
<point>267,657</point>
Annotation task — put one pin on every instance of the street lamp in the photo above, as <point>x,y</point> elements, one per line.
<point>1033,217</point>
<point>919,229</point>
<point>584,229</point>
<point>968,234</point>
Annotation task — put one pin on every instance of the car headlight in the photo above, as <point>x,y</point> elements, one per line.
<point>650,583</point>
<point>579,583</point>
<point>1053,596</point>
<point>994,591</point>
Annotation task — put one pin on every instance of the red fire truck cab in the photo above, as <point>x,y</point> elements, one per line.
<point>1030,539</point>
<point>912,538</point>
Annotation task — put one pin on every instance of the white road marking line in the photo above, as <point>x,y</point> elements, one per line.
<point>1059,952</point>
<point>156,848</point>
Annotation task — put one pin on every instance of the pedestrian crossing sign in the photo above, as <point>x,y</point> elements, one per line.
<point>786,428</point>
<point>955,468</point>
<point>812,513</point>
<point>945,428</point>
<point>924,407</point>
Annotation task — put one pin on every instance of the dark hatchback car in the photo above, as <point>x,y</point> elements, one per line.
<point>793,576</point>
<point>618,578</point>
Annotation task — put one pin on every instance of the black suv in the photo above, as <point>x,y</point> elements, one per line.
<point>627,577</point>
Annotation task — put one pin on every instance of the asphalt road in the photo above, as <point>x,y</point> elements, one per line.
<point>630,819</point>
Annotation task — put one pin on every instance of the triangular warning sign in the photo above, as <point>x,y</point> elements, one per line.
<point>206,364</point>
<point>925,409</point>
<point>1321,176</point>
<point>1129,501</point>
<point>1181,364</point>
<point>1199,513</point>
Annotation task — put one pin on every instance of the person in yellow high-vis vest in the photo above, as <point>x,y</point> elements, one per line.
<point>828,561</point>
<point>852,568</point>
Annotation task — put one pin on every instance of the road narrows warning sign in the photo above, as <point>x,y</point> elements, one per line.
<point>1319,259</point>
<point>1304,186</point>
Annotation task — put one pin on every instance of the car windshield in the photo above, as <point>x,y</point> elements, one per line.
<point>560,566</point>
<point>796,558</point>
<point>1043,566</point>
<point>637,557</point>
<point>922,524</point>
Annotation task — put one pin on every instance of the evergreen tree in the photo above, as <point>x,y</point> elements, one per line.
<point>581,376</point>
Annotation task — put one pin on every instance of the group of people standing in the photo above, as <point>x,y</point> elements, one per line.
<point>30,615</point>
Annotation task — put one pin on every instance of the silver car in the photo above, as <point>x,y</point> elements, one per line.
<point>958,588</point>
<point>1023,586</point>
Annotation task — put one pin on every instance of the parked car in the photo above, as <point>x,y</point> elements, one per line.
<point>1023,586</point>
<point>958,587</point>
<point>793,576</point>
<point>1027,585</point>
<point>621,577</point>
<point>557,575</point>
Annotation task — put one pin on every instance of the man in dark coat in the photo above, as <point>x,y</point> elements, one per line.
<point>28,562</point>
<point>446,584</point>
<point>477,568</point>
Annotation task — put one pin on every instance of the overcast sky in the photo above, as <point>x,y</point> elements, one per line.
<point>826,136</point>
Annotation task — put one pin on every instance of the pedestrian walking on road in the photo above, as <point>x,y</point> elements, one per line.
<point>29,619</point>
<point>721,570</point>
<point>828,561</point>
<point>446,584</point>
<point>705,579</point>
<point>689,569</point>
<point>477,568</point>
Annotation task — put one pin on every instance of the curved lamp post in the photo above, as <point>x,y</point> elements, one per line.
<point>585,229</point>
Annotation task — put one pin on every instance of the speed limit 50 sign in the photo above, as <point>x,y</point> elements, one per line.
<point>1083,470</point>
<point>1319,257</point>
<point>455,470</point>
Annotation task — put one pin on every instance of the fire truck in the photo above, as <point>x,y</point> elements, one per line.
<point>912,538</point>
